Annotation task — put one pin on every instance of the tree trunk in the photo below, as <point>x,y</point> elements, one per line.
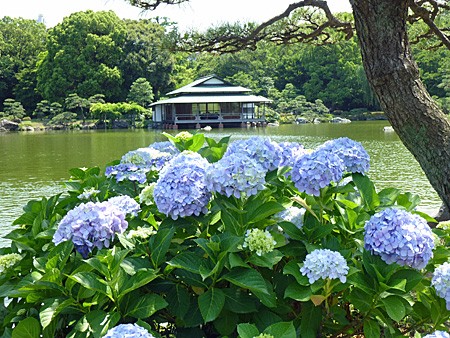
<point>394,77</point>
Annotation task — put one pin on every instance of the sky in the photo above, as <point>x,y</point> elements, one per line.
<point>198,14</point>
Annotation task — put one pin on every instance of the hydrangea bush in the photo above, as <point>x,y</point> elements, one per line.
<point>214,238</point>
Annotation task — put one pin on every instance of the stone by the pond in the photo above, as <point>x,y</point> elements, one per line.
<point>6,125</point>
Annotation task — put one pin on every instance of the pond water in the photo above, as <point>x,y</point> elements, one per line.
<point>36,164</point>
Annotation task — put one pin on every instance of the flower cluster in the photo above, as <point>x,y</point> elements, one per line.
<point>259,241</point>
<point>125,203</point>
<point>146,195</point>
<point>91,225</point>
<point>9,260</point>
<point>264,151</point>
<point>398,236</point>
<point>181,189</point>
<point>290,151</point>
<point>324,263</point>
<point>88,193</point>
<point>128,331</point>
<point>292,214</point>
<point>140,232</point>
<point>149,158</point>
<point>165,147</point>
<point>236,175</point>
<point>316,170</point>
<point>437,334</point>
<point>441,282</point>
<point>355,157</point>
<point>183,135</point>
<point>127,171</point>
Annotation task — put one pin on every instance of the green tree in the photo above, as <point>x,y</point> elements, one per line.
<point>83,54</point>
<point>13,109</point>
<point>21,42</point>
<point>141,92</point>
<point>63,119</point>
<point>42,109</point>
<point>146,57</point>
<point>78,104</point>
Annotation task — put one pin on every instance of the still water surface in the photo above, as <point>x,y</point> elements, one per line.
<point>36,164</point>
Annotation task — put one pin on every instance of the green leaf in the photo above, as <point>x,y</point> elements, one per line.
<point>292,230</point>
<point>238,301</point>
<point>59,255</point>
<point>139,279</point>
<point>91,282</point>
<point>226,323</point>
<point>394,307</point>
<point>281,330</point>
<point>247,279</point>
<point>263,211</point>
<point>144,306</point>
<point>96,323</point>
<point>211,303</point>
<point>52,308</point>
<point>371,329</point>
<point>196,142</point>
<point>187,261</point>
<point>412,277</point>
<point>267,260</point>
<point>159,245</point>
<point>298,292</point>
<point>246,330</point>
<point>179,301</point>
<point>311,319</point>
<point>367,190</point>
<point>27,328</point>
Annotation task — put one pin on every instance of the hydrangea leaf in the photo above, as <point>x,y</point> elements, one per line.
<point>394,307</point>
<point>371,329</point>
<point>247,279</point>
<point>281,330</point>
<point>246,330</point>
<point>159,245</point>
<point>367,190</point>
<point>239,301</point>
<point>27,328</point>
<point>144,306</point>
<point>211,304</point>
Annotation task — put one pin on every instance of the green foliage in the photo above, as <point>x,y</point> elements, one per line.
<point>141,92</point>
<point>193,276</point>
<point>13,109</point>
<point>63,119</point>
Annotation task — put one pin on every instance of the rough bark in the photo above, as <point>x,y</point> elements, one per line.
<point>394,77</point>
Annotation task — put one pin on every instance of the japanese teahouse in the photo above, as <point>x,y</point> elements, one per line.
<point>209,101</point>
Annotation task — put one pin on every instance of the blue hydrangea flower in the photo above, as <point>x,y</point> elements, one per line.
<point>128,331</point>
<point>264,151</point>
<point>236,175</point>
<point>314,171</point>
<point>290,151</point>
<point>150,158</point>
<point>91,225</point>
<point>355,157</point>
<point>398,236</point>
<point>88,193</point>
<point>438,334</point>
<point>441,282</point>
<point>126,204</point>
<point>324,263</point>
<point>292,214</point>
<point>127,171</point>
<point>165,147</point>
<point>181,188</point>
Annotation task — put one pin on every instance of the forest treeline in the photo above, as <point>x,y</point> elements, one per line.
<point>92,59</point>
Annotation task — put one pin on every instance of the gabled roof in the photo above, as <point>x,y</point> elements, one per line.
<point>209,85</point>
<point>214,99</point>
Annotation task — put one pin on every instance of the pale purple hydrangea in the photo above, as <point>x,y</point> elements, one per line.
<point>128,331</point>
<point>149,158</point>
<point>441,282</point>
<point>355,157</point>
<point>127,171</point>
<point>165,146</point>
<point>292,214</point>
<point>323,264</point>
<point>181,188</point>
<point>126,204</point>
<point>236,175</point>
<point>91,225</point>
<point>437,334</point>
<point>314,171</point>
<point>290,151</point>
<point>265,152</point>
<point>88,193</point>
<point>399,236</point>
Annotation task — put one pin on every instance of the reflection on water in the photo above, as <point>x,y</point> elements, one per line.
<point>37,164</point>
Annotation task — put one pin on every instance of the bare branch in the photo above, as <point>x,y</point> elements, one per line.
<point>428,16</point>
<point>152,4</point>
